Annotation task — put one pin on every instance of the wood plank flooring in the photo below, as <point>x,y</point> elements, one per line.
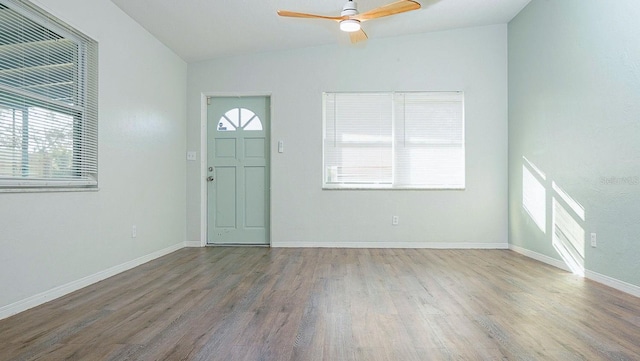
<point>332,304</point>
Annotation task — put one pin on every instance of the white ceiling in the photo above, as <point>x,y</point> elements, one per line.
<point>205,29</point>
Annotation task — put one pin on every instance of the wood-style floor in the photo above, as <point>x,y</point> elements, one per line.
<point>332,304</point>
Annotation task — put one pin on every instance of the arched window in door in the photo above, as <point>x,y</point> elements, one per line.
<point>239,118</point>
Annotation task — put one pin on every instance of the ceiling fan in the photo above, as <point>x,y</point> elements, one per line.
<point>350,20</point>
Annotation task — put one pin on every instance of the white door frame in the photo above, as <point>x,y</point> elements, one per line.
<point>204,161</point>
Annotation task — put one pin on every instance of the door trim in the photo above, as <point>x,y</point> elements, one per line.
<point>204,160</point>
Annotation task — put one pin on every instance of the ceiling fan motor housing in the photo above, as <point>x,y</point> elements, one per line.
<point>349,9</point>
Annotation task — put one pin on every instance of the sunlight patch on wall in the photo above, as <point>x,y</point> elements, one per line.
<point>568,237</point>
<point>576,207</point>
<point>534,194</point>
<point>567,233</point>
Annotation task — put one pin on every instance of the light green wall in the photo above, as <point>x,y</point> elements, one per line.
<point>574,111</point>
<point>473,60</point>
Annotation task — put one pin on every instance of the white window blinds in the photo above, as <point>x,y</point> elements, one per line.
<point>48,101</point>
<point>394,140</point>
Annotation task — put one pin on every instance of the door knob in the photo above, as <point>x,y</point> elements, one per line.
<point>210,179</point>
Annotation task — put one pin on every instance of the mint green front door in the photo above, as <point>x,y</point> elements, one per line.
<point>238,170</point>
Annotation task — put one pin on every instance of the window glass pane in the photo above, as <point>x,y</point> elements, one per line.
<point>225,125</point>
<point>254,124</point>
<point>250,120</point>
<point>38,141</point>
<point>11,135</point>
<point>233,117</point>
<point>358,139</point>
<point>50,143</point>
<point>245,116</point>
<point>430,140</point>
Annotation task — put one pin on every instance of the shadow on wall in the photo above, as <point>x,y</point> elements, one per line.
<point>565,230</point>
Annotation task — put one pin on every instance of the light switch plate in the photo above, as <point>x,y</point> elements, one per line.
<point>191,156</point>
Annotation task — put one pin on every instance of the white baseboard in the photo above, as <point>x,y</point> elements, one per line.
<point>540,257</point>
<point>36,300</point>
<point>429,245</point>
<point>594,276</point>
<point>193,244</point>
<point>613,283</point>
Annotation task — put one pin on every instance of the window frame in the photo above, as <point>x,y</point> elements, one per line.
<point>395,169</point>
<point>81,107</point>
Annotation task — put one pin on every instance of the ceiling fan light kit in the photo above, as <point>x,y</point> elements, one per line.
<point>349,25</point>
<point>350,20</point>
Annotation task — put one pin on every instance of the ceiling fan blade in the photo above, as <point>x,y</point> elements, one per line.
<point>358,36</point>
<point>293,14</point>
<point>386,10</point>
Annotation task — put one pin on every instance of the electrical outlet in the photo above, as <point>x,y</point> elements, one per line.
<point>134,231</point>
<point>395,220</point>
<point>593,240</point>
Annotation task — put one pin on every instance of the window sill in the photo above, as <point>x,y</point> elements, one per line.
<point>388,188</point>
<point>47,190</point>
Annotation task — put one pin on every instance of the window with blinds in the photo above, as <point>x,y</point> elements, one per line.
<point>48,101</point>
<point>412,140</point>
